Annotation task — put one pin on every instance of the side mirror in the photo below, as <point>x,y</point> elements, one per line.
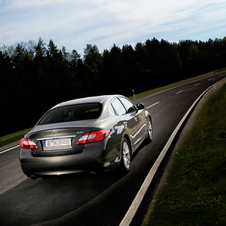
<point>140,106</point>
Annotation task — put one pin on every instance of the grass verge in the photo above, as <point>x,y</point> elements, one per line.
<point>194,192</point>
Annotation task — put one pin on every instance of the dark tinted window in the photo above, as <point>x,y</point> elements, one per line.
<point>129,105</point>
<point>72,113</point>
<point>120,110</point>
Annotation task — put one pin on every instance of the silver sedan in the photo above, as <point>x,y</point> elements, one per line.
<point>88,134</point>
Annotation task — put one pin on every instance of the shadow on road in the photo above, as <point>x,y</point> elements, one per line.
<point>47,198</point>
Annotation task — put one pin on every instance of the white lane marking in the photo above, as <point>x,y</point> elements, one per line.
<point>144,187</point>
<point>210,79</point>
<point>9,149</point>
<point>197,84</point>
<point>180,91</point>
<point>152,105</point>
<point>172,88</point>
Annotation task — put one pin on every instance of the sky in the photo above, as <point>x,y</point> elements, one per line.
<point>76,23</point>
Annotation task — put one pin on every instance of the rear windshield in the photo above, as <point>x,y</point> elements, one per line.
<point>72,113</point>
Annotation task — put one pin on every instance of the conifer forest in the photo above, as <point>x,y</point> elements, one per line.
<point>36,76</point>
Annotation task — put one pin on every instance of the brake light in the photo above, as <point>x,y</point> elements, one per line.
<point>93,137</point>
<point>27,144</point>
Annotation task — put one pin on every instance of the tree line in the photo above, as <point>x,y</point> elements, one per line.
<point>35,76</point>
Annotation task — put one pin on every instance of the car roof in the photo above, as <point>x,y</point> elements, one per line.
<point>94,99</point>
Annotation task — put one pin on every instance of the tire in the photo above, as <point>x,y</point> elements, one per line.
<point>126,157</point>
<point>150,130</point>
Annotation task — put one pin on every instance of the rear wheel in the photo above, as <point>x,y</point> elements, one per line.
<point>33,177</point>
<point>126,156</point>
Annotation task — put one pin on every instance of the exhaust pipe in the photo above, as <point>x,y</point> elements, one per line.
<point>93,173</point>
<point>33,177</point>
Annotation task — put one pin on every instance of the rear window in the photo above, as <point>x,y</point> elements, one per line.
<point>72,113</point>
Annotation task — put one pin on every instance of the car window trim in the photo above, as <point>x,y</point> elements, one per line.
<point>125,106</point>
<point>122,106</point>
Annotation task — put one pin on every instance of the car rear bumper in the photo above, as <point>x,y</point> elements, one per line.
<point>91,159</point>
<point>58,166</point>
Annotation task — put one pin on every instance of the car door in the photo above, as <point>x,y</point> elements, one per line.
<point>137,120</point>
<point>126,120</point>
<point>141,124</point>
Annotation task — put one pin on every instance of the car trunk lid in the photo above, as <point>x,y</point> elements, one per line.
<point>54,140</point>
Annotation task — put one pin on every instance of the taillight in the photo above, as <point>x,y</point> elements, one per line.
<point>27,144</point>
<point>93,137</point>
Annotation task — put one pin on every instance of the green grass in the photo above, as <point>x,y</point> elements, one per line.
<point>13,137</point>
<point>194,192</point>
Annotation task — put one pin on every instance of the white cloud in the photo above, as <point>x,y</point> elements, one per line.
<point>74,24</point>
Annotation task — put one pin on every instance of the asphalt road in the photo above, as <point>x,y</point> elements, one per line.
<point>88,199</point>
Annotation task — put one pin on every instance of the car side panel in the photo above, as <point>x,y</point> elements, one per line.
<point>141,126</point>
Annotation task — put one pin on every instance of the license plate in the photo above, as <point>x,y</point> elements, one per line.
<point>57,143</point>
